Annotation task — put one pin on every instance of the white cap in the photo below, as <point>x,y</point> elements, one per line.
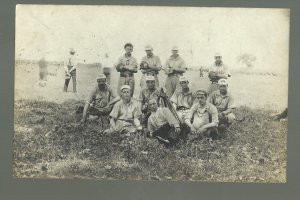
<point>218,55</point>
<point>174,48</point>
<point>183,79</point>
<point>72,50</point>
<point>223,81</point>
<point>148,47</point>
<point>125,87</point>
<point>150,78</point>
<point>101,76</point>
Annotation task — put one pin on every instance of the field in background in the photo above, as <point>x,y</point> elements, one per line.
<point>253,90</point>
<point>49,143</point>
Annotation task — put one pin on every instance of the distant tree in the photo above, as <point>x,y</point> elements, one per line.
<point>247,59</point>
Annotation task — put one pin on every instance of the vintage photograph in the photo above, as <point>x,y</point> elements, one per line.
<point>151,93</point>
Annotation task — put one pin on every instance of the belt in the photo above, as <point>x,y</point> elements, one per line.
<point>181,108</point>
<point>174,74</point>
<point>126,75</point>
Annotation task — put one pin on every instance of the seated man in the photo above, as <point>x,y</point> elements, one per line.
<point>125,114</point>
<point>224,102</point>
<point>183,98</point>
<point>162,124</point>
<point>150,92</point>
<point>205,117</point>
<point>99,101</point>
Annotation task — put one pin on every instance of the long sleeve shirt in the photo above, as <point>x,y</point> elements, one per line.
<point>160,117</point>
<point>173,64</point>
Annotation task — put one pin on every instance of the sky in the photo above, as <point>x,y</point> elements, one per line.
<point>98,33</point>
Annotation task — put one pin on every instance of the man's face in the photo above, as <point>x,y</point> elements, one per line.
<point>128,49</point>
<point>126,94</point>
<point>184,84</point>
<point>201,97</point>
<point>101,83</point>
<point>218,59</point>
<point>149,52</point>
<point>150,84</point>
<point>174,52</point>
<point>153,105</point>
<point>223,88</point>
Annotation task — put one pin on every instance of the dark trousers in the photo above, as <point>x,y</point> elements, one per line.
<point>67,81</point>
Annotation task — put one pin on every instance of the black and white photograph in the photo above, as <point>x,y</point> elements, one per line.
<point>152,93</point>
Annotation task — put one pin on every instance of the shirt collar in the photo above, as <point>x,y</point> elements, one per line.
<point>129,103</point>
<point>226,95</point>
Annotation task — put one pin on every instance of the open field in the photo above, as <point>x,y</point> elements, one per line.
<point>255,91</point>
<point>48,143</point>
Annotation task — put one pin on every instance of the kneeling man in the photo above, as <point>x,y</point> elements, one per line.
<point>183,98</point>
<point>205,117</point>
<point>224,103</point>
<point>125,114</point>
<point>99,101</point>
<point>162,124</point>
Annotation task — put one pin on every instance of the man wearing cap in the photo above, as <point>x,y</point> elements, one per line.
<point>204,115</point>
<point>70,70</point>
<point>150,92</point>
<point>124,117</point>
<point>174,68</point>
<point>183,98</point>
<point>224,102</point>
<point>100,99</point>
<point>217,71</point>
<point>162,124</point>
<point>127,66</point>
<point>150,66</point>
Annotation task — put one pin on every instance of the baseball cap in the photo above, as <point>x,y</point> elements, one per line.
<point>174,48</point>
<point>148,47</point>
<point>101,76</point>
<point>183,79</point>
<point>150,78</point>
<point>125,87</point>
<point>223,81</point>
<point>202,91</point>
<point>218,55</point>
<point>72,50</point>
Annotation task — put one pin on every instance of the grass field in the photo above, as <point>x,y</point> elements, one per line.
<point>49,143</point>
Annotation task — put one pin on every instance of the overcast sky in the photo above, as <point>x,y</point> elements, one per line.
<point>98,33</point>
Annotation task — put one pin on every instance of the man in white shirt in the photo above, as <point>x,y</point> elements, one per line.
<point>70,70</point>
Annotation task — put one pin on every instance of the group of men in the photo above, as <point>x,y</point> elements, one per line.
<point>205,112</point>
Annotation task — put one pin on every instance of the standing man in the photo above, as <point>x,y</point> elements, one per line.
<point>100,99</point>
<point>127,66</point>
<point>205,117</point>
<point>224,103</point>
<point>150,66</point>
<point>217,71</point>
<point>151,92</point>
<point>70,70</point>
<point>183,98</point>
<point>201,71</point>
<point>174,68</point>
<point>125,114</point>
<point>162,124</point>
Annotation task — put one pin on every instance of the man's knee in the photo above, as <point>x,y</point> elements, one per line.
<point>230,118</point>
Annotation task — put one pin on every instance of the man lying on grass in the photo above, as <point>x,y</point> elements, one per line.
<point>224,103</point>
<point>99,101</point>
<point>162,124</point>
<point>205,118</point>
<point>124,117</point>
